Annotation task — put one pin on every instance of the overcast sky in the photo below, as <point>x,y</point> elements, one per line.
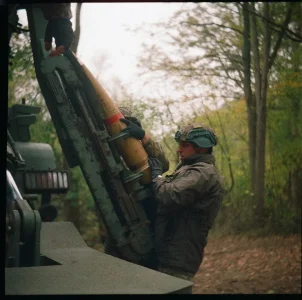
<point>104,31</point>
<point>104,34</point>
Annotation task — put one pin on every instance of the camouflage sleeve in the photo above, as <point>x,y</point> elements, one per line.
<point>53,11</point>
<point>154,149</point>
<point>192,183</point>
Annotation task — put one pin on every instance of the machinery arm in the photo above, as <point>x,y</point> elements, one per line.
<point>80,122</point>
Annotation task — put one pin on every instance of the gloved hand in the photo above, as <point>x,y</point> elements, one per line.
<point>61,30</point>
<point>156,167</point>
<point>133,129</point>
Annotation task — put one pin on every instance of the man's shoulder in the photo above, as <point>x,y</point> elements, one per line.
<point>203,165</point>
<point>198,167</point>
<point>204,169</point>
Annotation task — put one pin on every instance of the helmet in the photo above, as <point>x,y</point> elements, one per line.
<point>198,134</point>
<point>129,115</point>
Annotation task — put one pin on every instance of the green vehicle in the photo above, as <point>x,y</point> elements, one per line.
<point>48,257</point>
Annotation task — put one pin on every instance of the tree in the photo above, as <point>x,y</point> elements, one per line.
<point>261,67</point>
<point>230,49</point>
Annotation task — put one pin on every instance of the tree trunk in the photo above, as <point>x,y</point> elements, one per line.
<point>261,119</point>
<point>295,189</point>
<point>250,100</point>
<point>256,58</point>
<point>257,76</point>
<point>296,169</point>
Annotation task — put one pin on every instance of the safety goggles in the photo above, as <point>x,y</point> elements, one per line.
<point>181,135</point>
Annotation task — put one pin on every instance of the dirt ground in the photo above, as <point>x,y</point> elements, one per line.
<point>241,265</point>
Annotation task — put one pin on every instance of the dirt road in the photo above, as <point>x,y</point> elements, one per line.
<point>241,265</point>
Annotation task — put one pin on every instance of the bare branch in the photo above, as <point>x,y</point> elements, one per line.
<point>280,37</point>
<point>281,26</point>
<point>224,150</point>
<point>227,72</point>
<point>246,57</point>
<point>267,63</point>
<point>299,40</point>
<point>256,57</point>
<point>213,24</point>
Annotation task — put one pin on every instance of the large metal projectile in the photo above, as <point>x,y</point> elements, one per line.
<point>130,148</point>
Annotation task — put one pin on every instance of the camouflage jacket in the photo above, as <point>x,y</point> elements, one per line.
<point>52,11</point>
<point>154,149</point>
<point>188,202</point>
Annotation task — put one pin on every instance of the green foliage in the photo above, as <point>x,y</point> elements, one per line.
<point>285,150</point>
<point>21,74</point>
<point>206,55</point>
<point>203,47</point>
<point>235,215</point>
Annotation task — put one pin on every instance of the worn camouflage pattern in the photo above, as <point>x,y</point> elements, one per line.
<point>153,149</point>
<point>130,115</point>
<point>194,126</point>
<point>188,202</point>
<point>197,133</point>
<point>128,112</point>
<point>55,11</point>
<point>187,128</point>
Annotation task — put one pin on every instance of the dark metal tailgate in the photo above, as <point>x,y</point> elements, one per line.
<point>82,270</point>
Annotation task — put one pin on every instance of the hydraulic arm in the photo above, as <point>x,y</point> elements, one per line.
<point>87,126</point>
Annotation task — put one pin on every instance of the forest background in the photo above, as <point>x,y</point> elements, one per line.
<point>234,66</point>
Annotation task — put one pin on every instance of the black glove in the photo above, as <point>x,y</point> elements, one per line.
<point>133,129</point>
<point>61,30</point>
<point>156,167</point>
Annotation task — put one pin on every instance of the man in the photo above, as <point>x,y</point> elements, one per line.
<point>154,150</point>
<point>134,128</point>
<point>58,27</point>
<point>187,202</point>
